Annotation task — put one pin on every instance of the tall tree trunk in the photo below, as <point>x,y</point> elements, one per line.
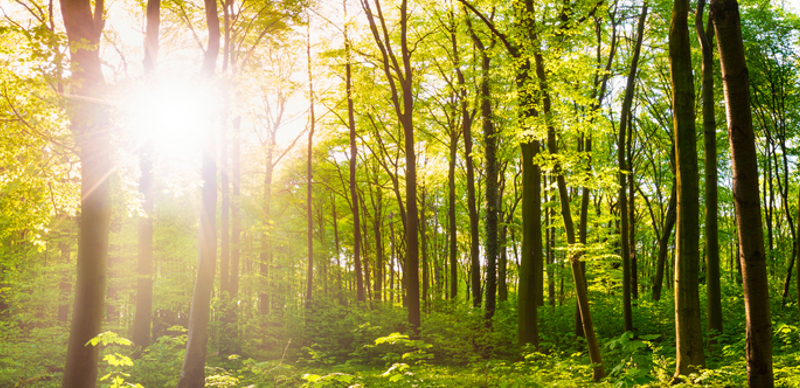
<point>663,243</point>
<point>144,283</point>
<point>688,329</point>
<point>466,128</point>
<point>310,175</point>
<point>90,127</point>
<point>714,304</point>
<point>492,189</point>
<point>527,325</point>
<point>451,216</point>
<point>758,346</point>
<point>378,227</point>
<point>339,269</point>
<point>193,372</point>
<point>403,101</point>
<point>423,229</point>
<point>351,124</point>
<point>566,215</point>
<point>474,249</point>
<point>627,311</point>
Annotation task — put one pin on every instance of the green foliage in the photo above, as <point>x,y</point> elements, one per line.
<point>114,374</point>
<point>160,363</point>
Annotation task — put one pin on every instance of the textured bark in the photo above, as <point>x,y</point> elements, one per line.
<point>193,371</point>
<point>624,168</point>
<point>451,216</point>
<point>527,325</point>
<point>735,79</point>
<point>492,189</point>
<point>474,250</point>
<point>90,127</point>
<point>663,244</point>
<point>689,336</point>
<point>714,293</point>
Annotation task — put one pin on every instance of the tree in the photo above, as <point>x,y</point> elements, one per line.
<point>193,371</point>
<point>91,128</point>
<point>623,170</point>
<point>309,173</point>
<point>144,284</point>
<point>400,72</point>
<point>744,162</point>
<point>688,330</point>
<point>351,125</point>
<point>706,36</point>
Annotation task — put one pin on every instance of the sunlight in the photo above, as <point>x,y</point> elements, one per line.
<point>174,116</point>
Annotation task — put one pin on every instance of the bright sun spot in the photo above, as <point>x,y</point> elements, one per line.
<point>174,116</point>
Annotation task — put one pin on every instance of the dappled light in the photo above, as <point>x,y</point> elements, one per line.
<point>399,193</point>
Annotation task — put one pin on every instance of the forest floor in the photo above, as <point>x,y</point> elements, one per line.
<point>343,346</point>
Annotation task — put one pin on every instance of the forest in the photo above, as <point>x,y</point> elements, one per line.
<point>399,193</point>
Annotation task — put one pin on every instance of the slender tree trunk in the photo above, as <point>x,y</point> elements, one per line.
<point>492,189</point>
<point>423,229</point>
<point>144,284</point>
<point>309,176</point>
<point>451,216</point>
<point>403,101</point>
<point>378,227</point>
<point>566,215</point>
<point>193,372</point>
<point>710,148</point>
<point>758,346</point>
<point>627,311</point>
<point>90,127</point>
<point>339,269</point>
<point>474,249</point>
<point>351,124</point>
<point>663,243</point>
<point>688,329</point>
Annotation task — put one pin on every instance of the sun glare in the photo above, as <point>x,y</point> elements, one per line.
<point>174,116</point>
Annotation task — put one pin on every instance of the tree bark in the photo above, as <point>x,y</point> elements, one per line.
<point>492,192</point>
<point>758,346</point>
<point>351,125</point>
<point>714,293</point>
<point>451,216</point>
<point>566,215</point>
<point>403,101</point>
<point>663,243</point>
<point>688,329</point>
<point>627,311</point>
<point>193,371</point>
<point>527,325</point>
<point>90,127</point>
